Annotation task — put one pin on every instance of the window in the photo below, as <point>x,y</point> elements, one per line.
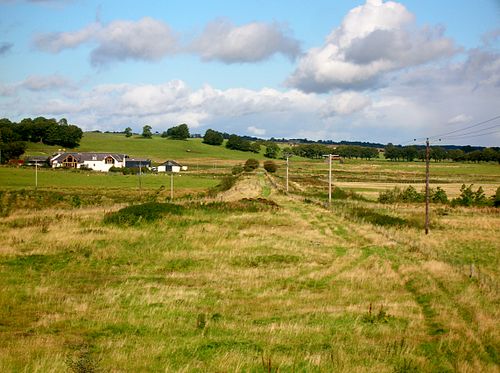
<point>109,160</point>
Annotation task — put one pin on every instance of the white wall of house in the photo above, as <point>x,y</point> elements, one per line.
<point>164,168</point>
<point>101,165</point>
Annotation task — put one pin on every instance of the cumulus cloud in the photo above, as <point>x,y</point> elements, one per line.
<point>223,41</point>
<point>256,131</point>
<point>5,48</point>
<point>373,39</point>
<point>146,39</point>
<point>345,103</point>
<point>37,83</point>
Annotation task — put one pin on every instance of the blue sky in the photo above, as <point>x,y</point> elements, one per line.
<point>344,70</point>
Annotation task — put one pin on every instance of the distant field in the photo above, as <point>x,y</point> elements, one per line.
<point>157,149</point>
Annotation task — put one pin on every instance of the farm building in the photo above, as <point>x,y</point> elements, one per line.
<point>40,160</point>
<point>171,166</point>
<point>137,162</point>
<point>95,161</point>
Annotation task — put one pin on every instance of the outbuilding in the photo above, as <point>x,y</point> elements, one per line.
<point>171,166</point>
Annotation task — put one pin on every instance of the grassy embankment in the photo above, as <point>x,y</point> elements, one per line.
<point>357,287</point>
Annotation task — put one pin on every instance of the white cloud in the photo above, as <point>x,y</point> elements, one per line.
<point>373,39</point>
<point>256,131</point>
<point>346,103</point>
<point>146,39</point>
<point>223,41</point>
<point>460,119</point>
<point>48,82</point>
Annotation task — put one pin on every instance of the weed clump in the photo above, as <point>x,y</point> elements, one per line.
<point>147,212</point>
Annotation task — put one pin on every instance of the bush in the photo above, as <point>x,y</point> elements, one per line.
<point>270,166</point>
<point>146,212</point>
<point>468,197</point>
<point>438,196</point>
<point>496,198</point>
<point>251,164</point>
<point>236,170</point>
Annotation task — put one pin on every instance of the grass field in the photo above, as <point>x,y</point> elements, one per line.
<point>157,149</point>
<point>280,282</point>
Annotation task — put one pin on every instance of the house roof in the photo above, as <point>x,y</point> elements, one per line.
<point>171,163</point>
<point>82,157</point>
<point>37,158</point>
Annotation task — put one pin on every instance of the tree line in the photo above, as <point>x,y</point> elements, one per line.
<point>14,136</point>
<point>438,153</point>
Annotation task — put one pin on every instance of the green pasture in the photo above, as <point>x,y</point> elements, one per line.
<point>157,148</point>
<point>24,178</point>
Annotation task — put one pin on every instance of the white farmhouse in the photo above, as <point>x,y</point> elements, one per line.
<point>95,161</point>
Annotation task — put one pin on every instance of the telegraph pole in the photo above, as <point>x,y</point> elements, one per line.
<point>140,176</point>
<point>329,178</point>
<point>36,175</point>
<point>287,165</point>
<point>427,154</point>
<point>171,186</point>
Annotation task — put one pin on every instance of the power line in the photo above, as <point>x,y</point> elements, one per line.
<point>468,127</point>
<point>458,137</point>
<point>473,132</point>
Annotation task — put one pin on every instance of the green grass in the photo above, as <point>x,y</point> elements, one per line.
<point>158,149</point>
<point>24,178</point>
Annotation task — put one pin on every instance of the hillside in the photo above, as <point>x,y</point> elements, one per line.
<point>158,149</point>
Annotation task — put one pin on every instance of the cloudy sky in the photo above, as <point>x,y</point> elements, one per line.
<point>371,70</point>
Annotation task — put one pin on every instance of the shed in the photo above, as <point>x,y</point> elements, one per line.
<point>171,166</point>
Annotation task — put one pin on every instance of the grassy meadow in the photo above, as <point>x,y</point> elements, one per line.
<point>246,277</point>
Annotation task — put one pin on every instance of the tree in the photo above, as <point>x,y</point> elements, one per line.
<point>128,132</point>
<point>146,132</point>
<point>270,166</point>
<point>236,142</point>
<point>180,132</point>
<point>251,164</point>
<point>213,137</point>
<point>272,150</point>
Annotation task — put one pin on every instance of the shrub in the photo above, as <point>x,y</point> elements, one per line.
<point>147,212</point>
<point>251,164</point>
<point>236,170</point>
<point>496,198</point>
<point>438,196</point>
<point>270,166</point>
<point>468,197</point>
<point>410,194</point>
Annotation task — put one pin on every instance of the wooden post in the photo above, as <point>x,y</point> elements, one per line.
<point>171,186</point>
<point>427,154</point>
<point>329,179</point>
<point>287,157</point>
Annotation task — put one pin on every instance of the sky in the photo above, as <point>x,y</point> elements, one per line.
<point>372,70</point>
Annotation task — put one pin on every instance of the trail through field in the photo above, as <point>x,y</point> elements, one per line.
<point>245,187</point>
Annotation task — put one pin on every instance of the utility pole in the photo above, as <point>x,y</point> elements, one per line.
<point>171,186</point>
<point>140,177</point>
<point>427,153</point>
<point>287,165</point>
<point>329,178</point>
<point>36,175</point>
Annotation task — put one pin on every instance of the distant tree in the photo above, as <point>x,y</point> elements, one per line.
<point>180,132</point>
<point>212,137</point>
<point>270,166</point>
<point>255,147</point>
<point>410,153</point>
<point>496,198</point>
<point>236,142</point>
<point>272,150</point>
<point>146,132</point>
<point>392,152</point>
<point>164,134</point>
<point>128,132</point>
